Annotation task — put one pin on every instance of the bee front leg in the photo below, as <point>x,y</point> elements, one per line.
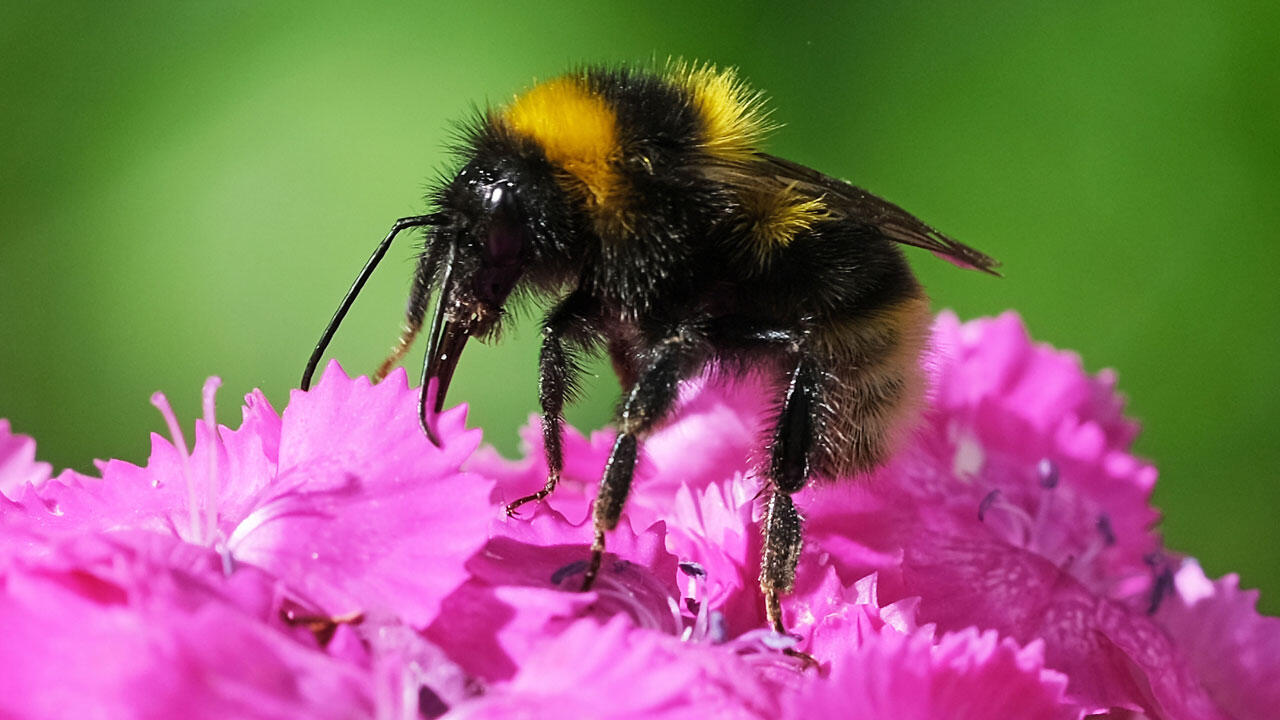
<point>791,456</point>
<point>650,398</point>
<point>565,328</point>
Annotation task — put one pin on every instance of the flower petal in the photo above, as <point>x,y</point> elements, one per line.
<point>1235,651</point>
<point>364,513</point>
<point>18,465</point>
<point>964,675</point>
<point>616,670</point>
<point>80,644</point>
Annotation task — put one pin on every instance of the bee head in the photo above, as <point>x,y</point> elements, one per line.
<point>481,253</point>
<point>487,248</point>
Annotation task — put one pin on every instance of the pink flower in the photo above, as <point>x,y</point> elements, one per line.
<point>1003,564</point>
<point>898,676</point>
<point>18,465</point>
<point>1234,651</point>
<point>248,543</point>
<point>107,633</point>
<point>1017,508</point>
<point>340,497</point>
<point>617,670</point>
<point>521,591</point>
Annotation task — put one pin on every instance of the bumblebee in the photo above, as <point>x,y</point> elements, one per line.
<point>640,204</point>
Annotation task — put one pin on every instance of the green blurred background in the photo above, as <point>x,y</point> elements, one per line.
<point>187,189</point>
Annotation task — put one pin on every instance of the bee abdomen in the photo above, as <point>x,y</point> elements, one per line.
<point>874,387</point>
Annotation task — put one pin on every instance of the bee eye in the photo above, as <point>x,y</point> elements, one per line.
<point>504,240</point>
<point>506,231</point>
<point>503,244</point>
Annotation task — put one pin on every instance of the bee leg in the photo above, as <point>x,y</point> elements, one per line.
<point>790,460</point>
<point>609,501</point>
<point>558,370</point>
<point>650,398</point>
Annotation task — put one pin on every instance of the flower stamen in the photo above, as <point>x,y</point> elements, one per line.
<point>161,403</point>
<point>208,393</point>
<point>696,602</point>
<point>1023,524</point>
<point>1162,583</point>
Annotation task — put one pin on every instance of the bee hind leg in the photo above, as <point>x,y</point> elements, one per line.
<point>791,454</point>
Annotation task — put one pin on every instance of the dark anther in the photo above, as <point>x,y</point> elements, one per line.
<point>987,502</point>
<point>1047,471</point>
<point>572,568</point>
<point>1162,588</point>
<point>429,704</point>
<point>692,569</point>
<point>1104,528</point>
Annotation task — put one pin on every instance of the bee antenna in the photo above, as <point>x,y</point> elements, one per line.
<point>356,287</point>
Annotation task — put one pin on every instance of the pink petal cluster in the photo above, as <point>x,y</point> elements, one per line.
<point>18,465</point>
<point>331,562</point>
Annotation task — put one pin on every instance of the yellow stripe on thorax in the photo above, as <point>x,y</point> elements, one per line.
<point>576,129</point>
<point>733,121</point>
<point>733,116</point>
<point>772,218</point>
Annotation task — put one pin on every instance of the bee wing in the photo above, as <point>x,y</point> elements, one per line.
<point>846,200</point>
